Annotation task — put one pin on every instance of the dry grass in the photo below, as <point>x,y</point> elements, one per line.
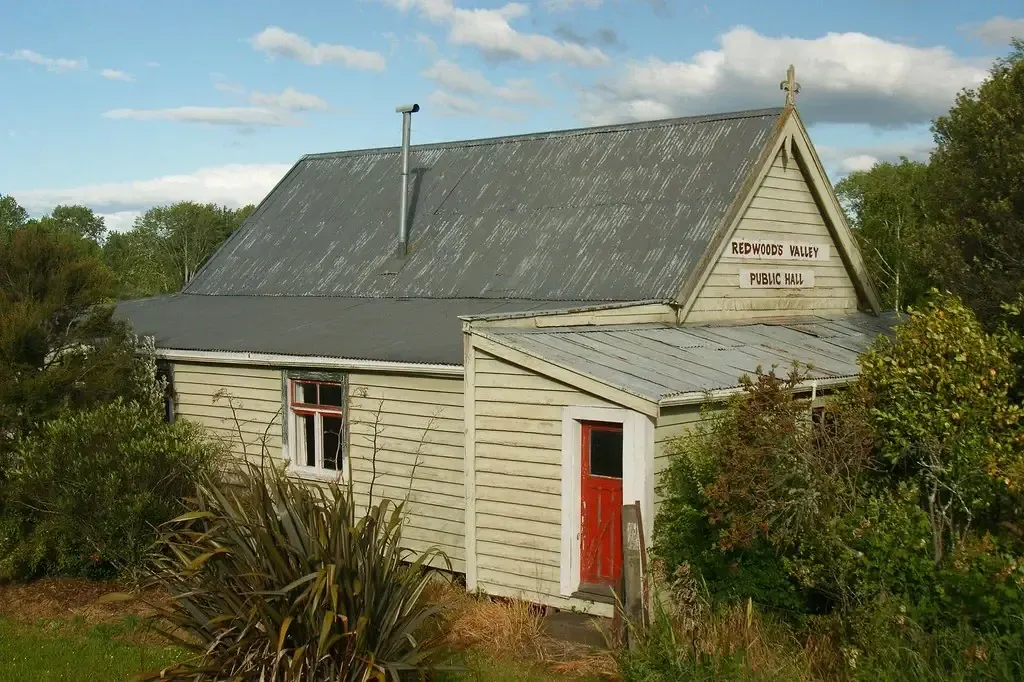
<point>66,599</point>
<point>513,630</point>
<point>769,651</point>
<point>685,618</point>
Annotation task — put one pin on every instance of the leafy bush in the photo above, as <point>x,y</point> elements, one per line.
<point>890,647</point>
<point>277,579</point>
<point>756,479</point>
<point>941,403</point>
<point>880,549</point>
<point>85,492</point>
<point>890,520</point>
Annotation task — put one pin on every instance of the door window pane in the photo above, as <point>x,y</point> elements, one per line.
<point>606,453</point>
<point>332,442</point>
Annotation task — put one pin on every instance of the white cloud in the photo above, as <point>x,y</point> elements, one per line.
<point>230,88</point>
<point>278,42</point>
<point>844,77</point>
<point>858,162</point>
<point>490,31</point>
<point>232,185</point>
<point>222,84</point>
<point>55,64</point>
<point>840,161</point>
<point>289,99</point>
<point>448,104</point>
<point>451,76</point>
<point>115,75</point>
<point>242,116</point>
<point>565,5</point>
<point>119,221</point>
<point>426,42</point>
<point>997,30</point>
<point>152,65</point>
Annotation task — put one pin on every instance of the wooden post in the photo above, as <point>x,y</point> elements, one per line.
<point>633,551</point>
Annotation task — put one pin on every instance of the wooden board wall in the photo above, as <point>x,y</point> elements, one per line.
<point>419,443</point>
<point>782,209</point>
<point>518,425</point>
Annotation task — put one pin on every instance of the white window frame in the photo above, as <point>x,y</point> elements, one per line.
<point>637,477</point>
<point>296,411</point>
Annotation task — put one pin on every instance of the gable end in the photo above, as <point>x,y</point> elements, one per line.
<point>788,252</point>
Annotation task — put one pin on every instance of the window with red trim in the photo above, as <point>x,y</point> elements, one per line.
<point>318,415</point>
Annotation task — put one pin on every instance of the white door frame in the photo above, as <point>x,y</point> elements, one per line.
<point>637,477</point>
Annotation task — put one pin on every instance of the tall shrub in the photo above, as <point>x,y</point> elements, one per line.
<point>758,477</point>
<point>276,579</point>
<point>941,401</point>
<point>86,491</point>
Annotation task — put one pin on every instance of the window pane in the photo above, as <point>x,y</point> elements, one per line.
<point>305,393</point>
<point>606,453</point>
<point>332,442</point>
<point>307,440</point>
<point>330,394</point>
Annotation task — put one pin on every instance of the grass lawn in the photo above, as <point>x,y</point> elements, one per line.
<point>72,651</point>
<point>54,629</point>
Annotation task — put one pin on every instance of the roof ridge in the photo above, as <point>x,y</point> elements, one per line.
<point>558,133</point>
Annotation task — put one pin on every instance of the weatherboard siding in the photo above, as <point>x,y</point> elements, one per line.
<point>783,209</point>
<point>518,455</point>
<point>229,400</point>
<point>419,438</point>
<point>419,454</point>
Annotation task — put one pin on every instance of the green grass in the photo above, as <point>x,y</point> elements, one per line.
<point>51,651</point>
<point>72,652</point>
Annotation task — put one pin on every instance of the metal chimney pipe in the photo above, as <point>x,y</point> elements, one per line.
<point>403,214</point>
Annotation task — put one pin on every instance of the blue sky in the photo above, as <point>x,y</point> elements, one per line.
<point>122,105</point>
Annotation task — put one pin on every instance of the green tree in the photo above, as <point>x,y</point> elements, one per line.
<point>134,258</point>
<point>184,235</point>
<point>59,347</point>
<point>12,216</point>
<point>77,220</point>
<point>977,172</point>
<point>888,209</point>
<point>946,419</point>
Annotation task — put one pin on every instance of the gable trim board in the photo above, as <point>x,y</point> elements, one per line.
<point>810,163</point>
<point>792,142</point>
<point>626,312</point>
<point>637,478</point>
<point>306,361</point>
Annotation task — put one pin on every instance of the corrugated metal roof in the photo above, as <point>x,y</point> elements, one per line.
<point>416,330</point>
<point>615,213</point>
<point>655,361</point>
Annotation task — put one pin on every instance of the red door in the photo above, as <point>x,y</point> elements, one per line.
<point>601,494</point>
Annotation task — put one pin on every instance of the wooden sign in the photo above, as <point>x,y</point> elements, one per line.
<point>776,278</point>
<point>776,250</point>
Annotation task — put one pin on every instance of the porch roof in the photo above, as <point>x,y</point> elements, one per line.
<point>659,362</point>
